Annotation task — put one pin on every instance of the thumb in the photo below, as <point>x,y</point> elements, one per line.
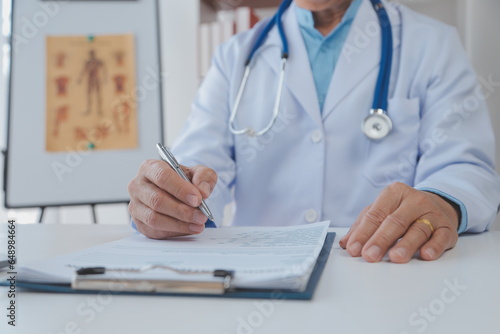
<point>204,179</point>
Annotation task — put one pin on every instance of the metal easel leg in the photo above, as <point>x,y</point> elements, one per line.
<point>94,214</point>
<point>42,211</point>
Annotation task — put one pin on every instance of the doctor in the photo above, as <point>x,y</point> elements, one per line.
<point>415,166</point>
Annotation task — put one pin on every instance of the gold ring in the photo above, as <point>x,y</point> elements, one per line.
<point>426,222</point>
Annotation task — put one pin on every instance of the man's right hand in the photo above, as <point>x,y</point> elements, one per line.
<point>164,205</point>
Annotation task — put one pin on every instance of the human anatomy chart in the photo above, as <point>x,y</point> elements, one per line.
<point>91,93</point>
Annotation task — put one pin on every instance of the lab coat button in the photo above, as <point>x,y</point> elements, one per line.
<point>311,216</point>
<point>317,136</point>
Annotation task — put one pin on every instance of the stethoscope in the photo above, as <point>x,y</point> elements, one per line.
<point>376,125</point>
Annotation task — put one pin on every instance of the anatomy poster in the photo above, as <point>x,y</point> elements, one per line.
<point>91,97</point>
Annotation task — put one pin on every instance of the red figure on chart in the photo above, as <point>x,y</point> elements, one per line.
<point>121,116</point>
<point>120,58</point>
<point>61,116</point>
<point>119,83</point>
<point>62,85</point>
<point>95,72</point>
<point>60,59</point>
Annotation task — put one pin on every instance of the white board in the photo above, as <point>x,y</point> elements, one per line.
<point>33,176</point>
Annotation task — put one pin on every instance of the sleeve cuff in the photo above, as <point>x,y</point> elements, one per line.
<point>462,227</point>
<point>210,224</point>
<point>132,224</point>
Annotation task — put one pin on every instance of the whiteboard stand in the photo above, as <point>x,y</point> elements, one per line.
<point>92,206</point>
<point>94,215</point>
<point>42,211</point>
<point>29,177</point>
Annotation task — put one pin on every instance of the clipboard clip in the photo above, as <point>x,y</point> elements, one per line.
<point>94,278</point>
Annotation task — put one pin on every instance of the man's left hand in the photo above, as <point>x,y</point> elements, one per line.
<point>400,222</point>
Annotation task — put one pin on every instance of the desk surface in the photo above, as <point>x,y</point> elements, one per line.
<point>460,293</point>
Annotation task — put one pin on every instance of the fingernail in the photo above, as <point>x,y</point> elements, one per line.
<point>193,200</point>
<point>199,217</point>
<point>430,253</point>
<point>196,228</point>
<point>373,253</point>
<point>355,249</point>
<point>401,253</point>
<point>205,187</point>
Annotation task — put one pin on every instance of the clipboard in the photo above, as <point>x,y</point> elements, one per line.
<point>177,288</point>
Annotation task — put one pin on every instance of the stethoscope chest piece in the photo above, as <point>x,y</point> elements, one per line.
<point>377,125</point>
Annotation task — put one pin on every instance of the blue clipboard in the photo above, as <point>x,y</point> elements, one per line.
<point>307,294</point>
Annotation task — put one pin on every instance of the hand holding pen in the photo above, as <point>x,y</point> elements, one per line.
<point>167,200</point>
<point>168,157</point>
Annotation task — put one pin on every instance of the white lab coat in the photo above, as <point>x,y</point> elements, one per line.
<point>316,165</point>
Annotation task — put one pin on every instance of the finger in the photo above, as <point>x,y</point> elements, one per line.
<point>418,234</point>
<point>392,228</point>
<point>386,203</point>
<point>345,239</point>
<point>160,201</point>
<point>154,234</point>
<point>159,222</point>
<point>204,178</point>
<point>444,238</point>
<point>162,175</point>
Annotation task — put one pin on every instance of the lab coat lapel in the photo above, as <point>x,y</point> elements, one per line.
<point>298,77</point>
<point>360,55</point>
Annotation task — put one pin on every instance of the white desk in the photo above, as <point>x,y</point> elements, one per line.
<point>353,296</point>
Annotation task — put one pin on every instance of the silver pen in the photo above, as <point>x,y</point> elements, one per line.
<point>168,157</point>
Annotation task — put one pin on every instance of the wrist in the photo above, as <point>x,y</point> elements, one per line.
<point>450,208</point>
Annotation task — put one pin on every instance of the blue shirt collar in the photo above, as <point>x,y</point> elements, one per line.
<point>306,20</point>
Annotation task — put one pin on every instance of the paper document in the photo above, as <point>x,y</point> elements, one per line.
<point>261,257</point>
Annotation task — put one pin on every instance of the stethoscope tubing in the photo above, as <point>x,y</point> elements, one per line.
<point>276,20</point>
<point>380,99</point>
